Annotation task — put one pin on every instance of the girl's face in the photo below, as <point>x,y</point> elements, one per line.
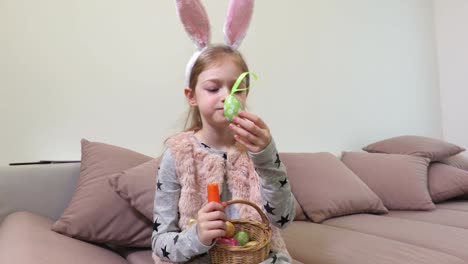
<point>213,86</point>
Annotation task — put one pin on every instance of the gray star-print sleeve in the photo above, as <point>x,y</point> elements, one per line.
<point>167,240</point>
<point>278,201</point>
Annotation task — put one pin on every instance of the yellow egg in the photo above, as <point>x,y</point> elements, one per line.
<point>191,221</point>
<point>230,229</point>
<point>251,243</point>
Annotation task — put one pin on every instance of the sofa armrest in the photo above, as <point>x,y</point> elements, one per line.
<point>42,189</point>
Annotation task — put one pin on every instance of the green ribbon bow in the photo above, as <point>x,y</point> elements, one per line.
<point>232,105</point>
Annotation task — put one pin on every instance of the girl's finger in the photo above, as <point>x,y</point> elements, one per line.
<point>244,134</point>
<point>255,119</point>
<point>213,225</point>
<point>248,145</point>
<point>216,233</point>
<point>210,207</point>
<point>248,125</point>
<point>215,215</point>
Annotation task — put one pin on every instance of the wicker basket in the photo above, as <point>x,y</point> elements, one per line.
<point>260,232</point>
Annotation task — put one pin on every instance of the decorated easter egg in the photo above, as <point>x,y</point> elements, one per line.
<point>232,106</point>
<point>251,243</point>
<point>242,237</point>
<point>230,229</point>
<point>192,221</point>
<point>228,241</point>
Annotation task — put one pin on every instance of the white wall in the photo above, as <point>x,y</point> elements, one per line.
<point>451,20</point>
<point>334,74</point>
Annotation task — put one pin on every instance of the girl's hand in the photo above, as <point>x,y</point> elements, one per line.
<point>251,131</point>
<point>211,223</point>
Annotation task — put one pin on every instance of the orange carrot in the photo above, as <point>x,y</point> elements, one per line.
<point>213,192</point>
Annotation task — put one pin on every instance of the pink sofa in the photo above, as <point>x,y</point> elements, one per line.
<point>33,197</point>
<point>439,236</point>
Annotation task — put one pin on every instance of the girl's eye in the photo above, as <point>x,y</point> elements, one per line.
<point>212,90</point>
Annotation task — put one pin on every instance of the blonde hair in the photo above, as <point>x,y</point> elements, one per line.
<point>213,55</point>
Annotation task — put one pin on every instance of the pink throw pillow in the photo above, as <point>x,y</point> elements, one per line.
<point>459,161</point>
<point>137,186</point>
<point>326,188</point>
<point>300,216</point>
<point>425,147</point>
<point>96,213</point>
<point>399,180</point>
<point>446,182</point>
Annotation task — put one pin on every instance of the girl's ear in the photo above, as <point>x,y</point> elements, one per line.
<point>190,95</point>
<point>237,21</point>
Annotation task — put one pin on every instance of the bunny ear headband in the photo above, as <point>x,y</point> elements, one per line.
<point>195,21</point>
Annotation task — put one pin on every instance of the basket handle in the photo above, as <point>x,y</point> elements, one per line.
<point>259,211</point>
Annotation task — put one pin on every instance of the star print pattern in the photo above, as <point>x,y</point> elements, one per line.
<point>283,182</point>
<point>283,220</point>
<point>156,225</point>
<point>278,161</point>
<point>159,185</point>
<point>170,243</point>
<point>206,146</point>
<point>268,208</point>
<point>276,192</point>
<point>164,252</point>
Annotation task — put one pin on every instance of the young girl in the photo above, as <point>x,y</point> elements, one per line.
<point>240,156</point>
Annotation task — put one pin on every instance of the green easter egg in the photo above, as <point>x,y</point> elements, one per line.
<point>232,106</point>
<point>242,237</point>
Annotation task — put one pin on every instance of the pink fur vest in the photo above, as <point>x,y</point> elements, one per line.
<point>196,167</point>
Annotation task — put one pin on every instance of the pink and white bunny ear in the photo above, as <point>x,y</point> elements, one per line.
<point>195,21</point>
<point>237,21</point>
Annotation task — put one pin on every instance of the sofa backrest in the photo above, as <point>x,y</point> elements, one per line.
<point>43,189</point>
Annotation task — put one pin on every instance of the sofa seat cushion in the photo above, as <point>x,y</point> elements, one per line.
<point>26,238</point>
<point>439,216</point>
<point>139,256</point>
<point>459,205</point>
<point>319,243</point>
<point>447,239</point>
<point>144,257</point>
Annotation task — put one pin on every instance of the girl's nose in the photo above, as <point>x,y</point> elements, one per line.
<point>224,93</point>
